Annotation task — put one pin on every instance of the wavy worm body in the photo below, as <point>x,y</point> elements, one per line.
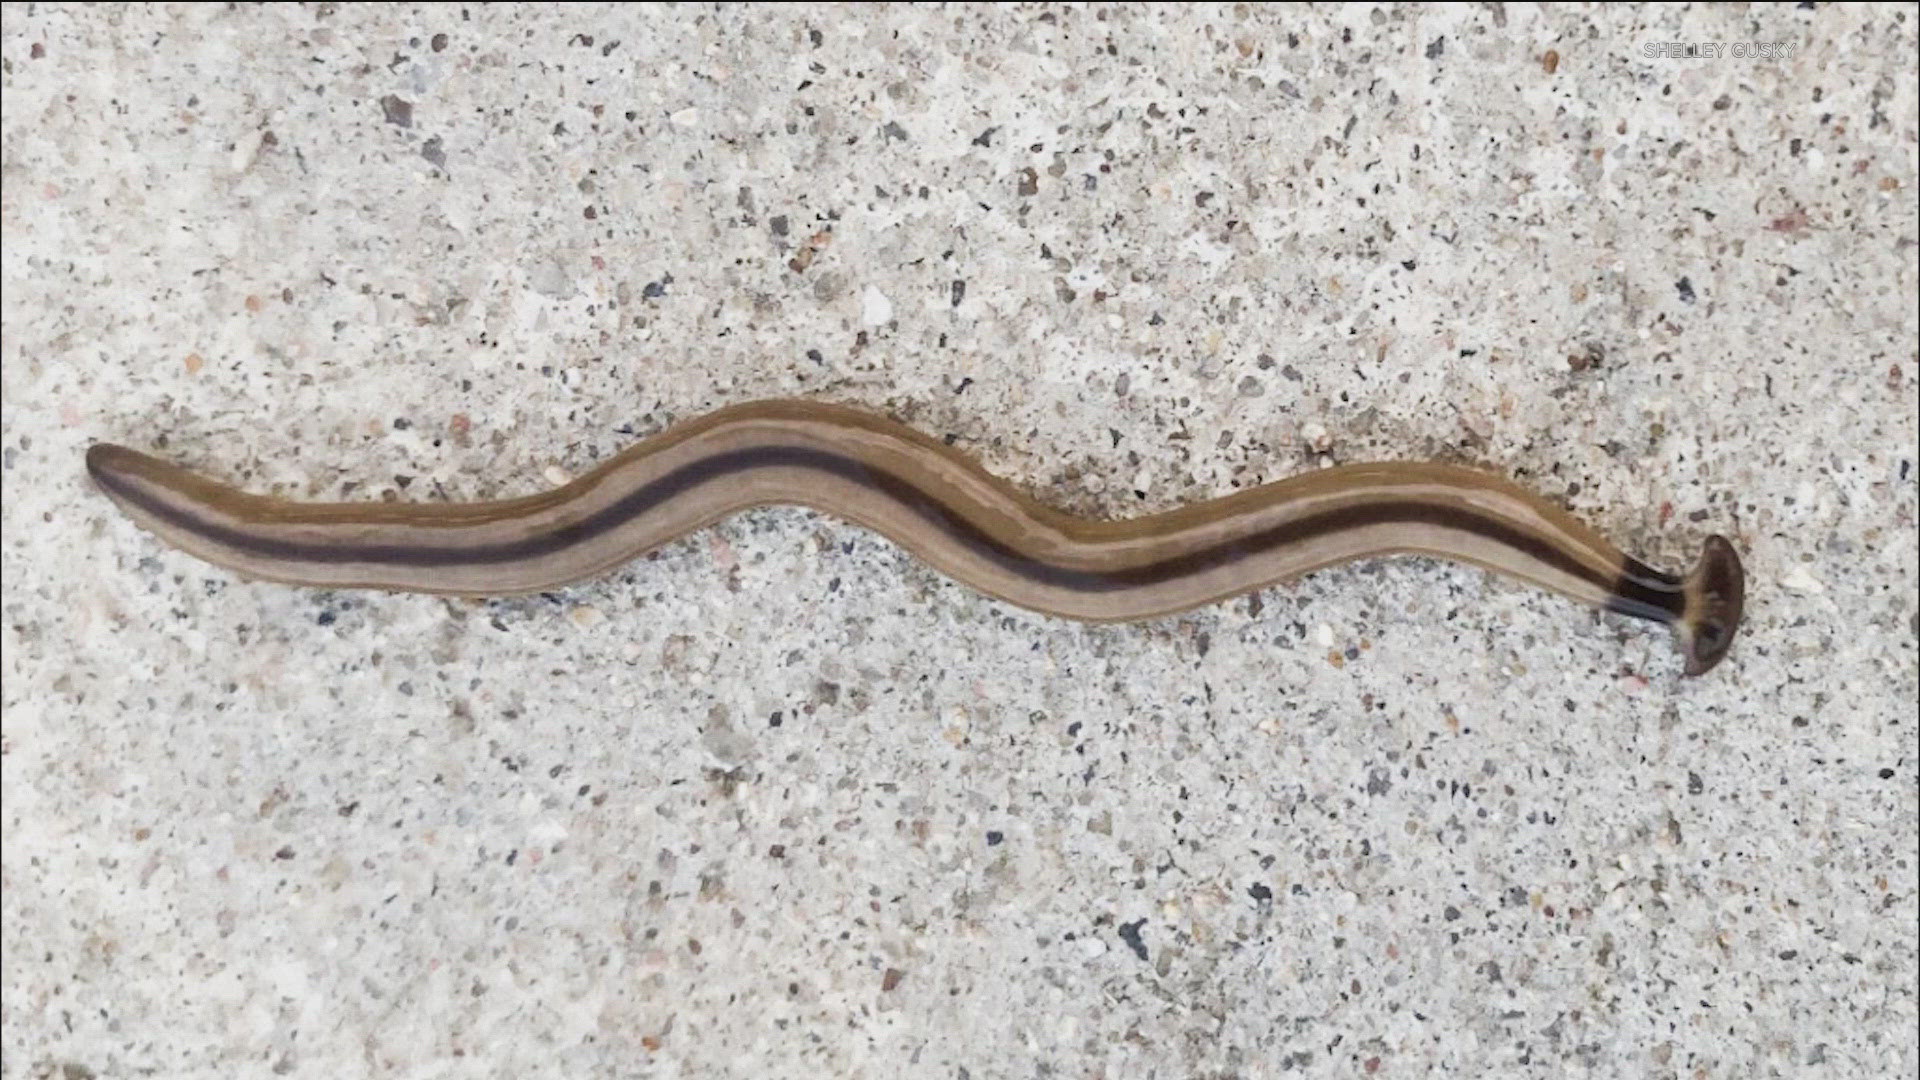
<point>937,504</point>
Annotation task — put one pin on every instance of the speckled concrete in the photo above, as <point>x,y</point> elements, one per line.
<point>780,802</point>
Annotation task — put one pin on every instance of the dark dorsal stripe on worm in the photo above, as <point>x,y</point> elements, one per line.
<point>1644,592</point>
<point>937,503</point>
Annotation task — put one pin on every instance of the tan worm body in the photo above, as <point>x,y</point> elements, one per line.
<point>936,503</point>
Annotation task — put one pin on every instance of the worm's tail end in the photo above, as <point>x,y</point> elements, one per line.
<point>1716,593</point>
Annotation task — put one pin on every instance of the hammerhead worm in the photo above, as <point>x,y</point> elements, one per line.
<point>936,503</point>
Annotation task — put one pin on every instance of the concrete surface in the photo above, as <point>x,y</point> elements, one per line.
<point>779,802</point>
